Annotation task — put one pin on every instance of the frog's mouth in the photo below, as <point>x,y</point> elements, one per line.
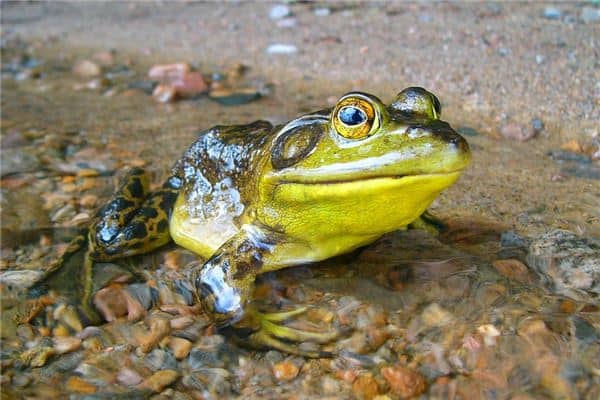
<point>350,180</point>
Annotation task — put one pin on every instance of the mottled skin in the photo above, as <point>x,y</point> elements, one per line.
<point>256,198</point>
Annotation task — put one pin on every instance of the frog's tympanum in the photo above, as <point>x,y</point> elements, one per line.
<point>256,198</point>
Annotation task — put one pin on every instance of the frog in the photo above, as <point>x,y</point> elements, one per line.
<point>254,198</point>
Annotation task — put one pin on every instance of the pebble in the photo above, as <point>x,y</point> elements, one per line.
<point>285,371</point>
<point>88,332</point>
<point>279,11</point>
<point>322,11</point>
<point>190,84</point>
<point>128,377</point>
<point>104,58</point>
<point>78,385</point>
<point>552,13</point>
<point>164,93</point>
<point>143,294</point>
<point>434,315</point>
<point>517,132</point>
<point>286,23</point>
<point>590,15</point>
<point>68,316</point>
<point>160,359</point>
<point>37,356</point>
<point>86,69</point>
<point>537,125</point>
<point>404,382</point>
<point>566,261</point>
<point>166,72</point>
<point>513,269</point>
<point>365,387</point>
<point>88,200</point>
<point>159,328</point>
<point>282,48</point>
<point>18,161</point>
<point>228,97</point>
<point>64,345</point>
<point>180,347</point>
<point>20,279</point>
<point>159,380</point>
<point>467,131</point>
<point>330,386</point>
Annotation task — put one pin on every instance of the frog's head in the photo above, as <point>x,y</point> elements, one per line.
<point>362,168</point>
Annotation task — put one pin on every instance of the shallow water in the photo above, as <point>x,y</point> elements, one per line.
<point>456,316</point>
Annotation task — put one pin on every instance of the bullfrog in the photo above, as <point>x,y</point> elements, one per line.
<point>256,198</point>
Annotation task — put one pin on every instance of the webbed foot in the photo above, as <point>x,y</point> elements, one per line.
<point>266,331</point>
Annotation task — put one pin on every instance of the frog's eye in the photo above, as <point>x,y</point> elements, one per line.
<point>355,118</point>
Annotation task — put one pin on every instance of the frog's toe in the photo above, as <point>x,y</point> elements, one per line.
<point>265,339</point>
<point>268,332</point>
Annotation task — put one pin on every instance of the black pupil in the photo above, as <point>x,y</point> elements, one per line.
<point>352,116</point>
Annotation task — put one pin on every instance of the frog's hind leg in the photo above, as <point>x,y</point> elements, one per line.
<point>135,221</point>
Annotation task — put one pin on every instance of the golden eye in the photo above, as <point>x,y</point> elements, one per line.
<point>355,118</point>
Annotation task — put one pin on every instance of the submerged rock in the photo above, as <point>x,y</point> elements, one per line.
<point>566,261</point>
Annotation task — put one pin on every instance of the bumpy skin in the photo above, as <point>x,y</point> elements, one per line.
<point>256,198</point>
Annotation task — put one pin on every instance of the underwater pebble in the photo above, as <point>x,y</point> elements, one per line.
<point>143,294</point>
<point>566,261</point>
<point>279,11</point>
<point>434,315</point>
<point>513,269</point>
<point>229,97</point>
<point>189,84</point>
<point>281,48</point>
<point>89,331</point>
<point>68,316</point>
<point>20,279</point>
<point>128,377</point>
<point>322,11</point>
<point>159,328</point>
<point>168,71</point>
<point>164,93</point>
<point>64,345</point>
<point>88,200</point>
<point>285,371</point>
<point>181,322</point>
<point>467,131</point>
<point>37,356</point>
<point>104,58</point>
<point>86,69</point>
<point>180,347</point>
<point>18,161</point>
<point>537,125</point>
<point>404,382</point>
<point>159,380</point>
<point>590,15</point>
<point>552,13</point>
<point>159,359</point>
<point>517,132</point>
<point>78,385</point>
<point>365,387</point>
<point>286,23</point>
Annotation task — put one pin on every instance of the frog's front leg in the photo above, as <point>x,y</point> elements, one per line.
<point>428,222</point>
<point>225,283</point>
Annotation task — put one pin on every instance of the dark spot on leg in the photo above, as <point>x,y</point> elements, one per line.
<point>163,225</point>
<point>136,230</point>
<point>148,212</point>
<point>135,188</point>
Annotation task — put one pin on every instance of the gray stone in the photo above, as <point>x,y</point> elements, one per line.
<point>279,11</point>
<point>552,13</point>
<point>590,15</point>
<point>566,262</point>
